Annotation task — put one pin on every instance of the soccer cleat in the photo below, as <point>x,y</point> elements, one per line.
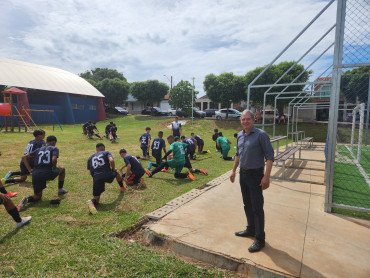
<point>164,170</point>
<point>190,176</point>
<point>148,156</point>
<point>7,176</point>
<point>23,202</point>
<point>216,151</point>
<point>122,188</point>
<point>233,158</point>
<point>208,151</point>
<point>220,156</point>
<point>101,138</point>
<point>203,172</point>
<point>118,137</point>
<point>11,194</point>
<point>150,165</point>
<point>148,173</point>
<point>136,157</point>
<point>62,191</point>
<point>91,207</point>
<point>25,220</point>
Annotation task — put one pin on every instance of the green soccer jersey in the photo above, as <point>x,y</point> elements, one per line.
<point>224,142</point>
<point>178,150</point>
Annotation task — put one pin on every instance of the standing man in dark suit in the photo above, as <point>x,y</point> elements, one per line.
<point>253,147</point>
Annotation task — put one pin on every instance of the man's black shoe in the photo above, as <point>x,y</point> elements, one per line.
<point>256,246</point>
<point>245,233</point>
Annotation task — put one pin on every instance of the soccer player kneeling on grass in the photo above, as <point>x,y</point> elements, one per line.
<point>200,143</point>
<point>102,168</point>
<point>37,143</point>
<point>12,210</point>
<point>45,169</point>
<point>178,161</point>
<point>135,171</point>
<point>224,144</point>
<point>157,146</point>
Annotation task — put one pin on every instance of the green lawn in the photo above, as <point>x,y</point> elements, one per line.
<point>350,187</point>
<point>65,241</point>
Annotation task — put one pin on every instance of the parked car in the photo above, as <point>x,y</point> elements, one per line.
<point>172,112</point>
<point>121,110</point>
<point>198,113</point>
<point>154,111</point>
<point>210,112</point>
<point>233,114</point>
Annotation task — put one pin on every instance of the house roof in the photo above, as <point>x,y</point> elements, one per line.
<point>33,76</point>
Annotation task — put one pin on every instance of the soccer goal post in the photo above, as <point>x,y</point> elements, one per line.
<point>361,110</point>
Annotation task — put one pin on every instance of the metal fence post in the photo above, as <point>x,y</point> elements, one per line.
<point>334,103</point>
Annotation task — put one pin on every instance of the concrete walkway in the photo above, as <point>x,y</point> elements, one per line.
<point>301,239</point>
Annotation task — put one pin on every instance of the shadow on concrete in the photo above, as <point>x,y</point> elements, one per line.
<point>288,263</point>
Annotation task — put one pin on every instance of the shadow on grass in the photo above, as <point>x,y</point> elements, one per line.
<point>111,206</point>
<point>9,235</point>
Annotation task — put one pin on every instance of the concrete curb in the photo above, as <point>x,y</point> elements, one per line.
<point>246,268</point>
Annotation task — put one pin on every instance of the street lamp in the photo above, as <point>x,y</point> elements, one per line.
<point>169,79</point>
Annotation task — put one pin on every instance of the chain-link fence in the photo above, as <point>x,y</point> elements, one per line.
<point>349,154</point>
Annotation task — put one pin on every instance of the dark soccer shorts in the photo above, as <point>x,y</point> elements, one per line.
<point>158,157</point>
<point>145,150</point>
<point>23,168</point>
<point>1,201</point>
<point>187,162</point>
<point>39,180</point>
<point>99,184</point>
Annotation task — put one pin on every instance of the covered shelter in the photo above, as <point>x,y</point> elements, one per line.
<point>72,98</point>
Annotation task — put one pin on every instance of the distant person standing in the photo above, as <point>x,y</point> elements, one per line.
<point>253,148</point>
<point>176,127</point>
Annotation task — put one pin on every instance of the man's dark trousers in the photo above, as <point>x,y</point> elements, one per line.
<point>250,181</point>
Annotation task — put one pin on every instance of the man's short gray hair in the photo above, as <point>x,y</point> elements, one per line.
<point>247,111</point>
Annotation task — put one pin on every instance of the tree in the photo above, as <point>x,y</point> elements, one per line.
<point>355,84</point>
<point>225,88</point>
<point>149,92</point>
<point>99,74</point>
<point>115,91</point>
<point>111,83</point>
<point>181,96</point>
<point>269,77</point>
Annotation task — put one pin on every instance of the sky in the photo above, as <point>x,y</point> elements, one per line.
<point>150,39</point>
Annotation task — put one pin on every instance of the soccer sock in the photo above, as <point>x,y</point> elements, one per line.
<point>10,181</point>
<point>228,158</point>
<point>204,152</point>
<point>3,190</point>
<point>196,171</point>
<point>30,199</point>
<point>16,173</point>
<point>60,184</point>
<point>15,214</point>
<point>159,168</point>
<point>120,183</point>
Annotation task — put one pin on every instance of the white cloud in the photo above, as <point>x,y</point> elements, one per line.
<point>147,39</point>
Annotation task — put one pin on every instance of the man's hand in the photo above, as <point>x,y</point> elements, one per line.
<point>4,197</point>
<point>232,176</point>
<point>265,182</point>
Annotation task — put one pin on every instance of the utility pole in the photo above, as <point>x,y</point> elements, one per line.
<point>192,103</point>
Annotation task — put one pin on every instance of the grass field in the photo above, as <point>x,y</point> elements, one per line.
<point>350,187</point>
<point>65,241</point>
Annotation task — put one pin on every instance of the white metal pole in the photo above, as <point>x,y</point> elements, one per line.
<point>359,148</point>
<point>192,101</point>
